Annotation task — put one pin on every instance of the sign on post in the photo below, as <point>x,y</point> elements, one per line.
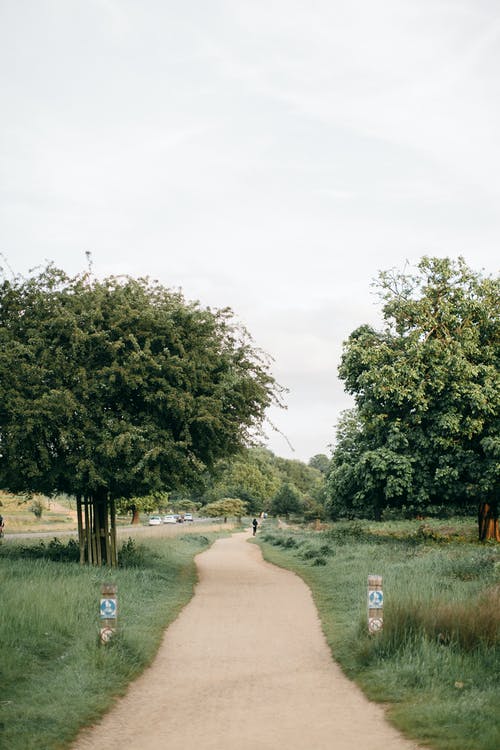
<point>375,604</point>
<point>108,612</point>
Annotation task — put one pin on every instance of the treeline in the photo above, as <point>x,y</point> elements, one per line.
<point>264,482</point>
<point>120,391</point>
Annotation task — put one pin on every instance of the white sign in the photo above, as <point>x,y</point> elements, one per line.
<point>106,634</point>
<point>374,624</point>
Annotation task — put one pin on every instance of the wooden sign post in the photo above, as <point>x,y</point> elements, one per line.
<point>375,604</point>
<point>108,612</point>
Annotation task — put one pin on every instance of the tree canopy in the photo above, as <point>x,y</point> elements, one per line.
<point>225,507</point>
<point>120,388</point>
<point>287,500</point>
<point>427,393</point>
<point>256,475</point>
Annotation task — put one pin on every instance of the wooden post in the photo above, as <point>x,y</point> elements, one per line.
<point>93,558</point>
<point>81,538</point>
<point>88,530</point>
<point>106,536</point>
<point>375,604</point>
<point>114,559</point>
<point>97,530</point>
<point>108,612</point>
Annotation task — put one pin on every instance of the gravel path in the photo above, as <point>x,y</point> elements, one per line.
<point>245,666</point>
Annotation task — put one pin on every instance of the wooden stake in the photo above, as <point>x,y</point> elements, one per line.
<point>81,539</point>
<point>114,556</point>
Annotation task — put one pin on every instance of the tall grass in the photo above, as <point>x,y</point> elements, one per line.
<point>54,677</point>
<point>436,663</point>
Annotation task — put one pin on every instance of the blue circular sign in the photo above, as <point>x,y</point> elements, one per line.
<point>108,608</point>
<point>376,599</point>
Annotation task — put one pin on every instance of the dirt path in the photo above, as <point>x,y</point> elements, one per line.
<point>245,666</point>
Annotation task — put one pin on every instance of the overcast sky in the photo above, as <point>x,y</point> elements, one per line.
<point>268,155</point>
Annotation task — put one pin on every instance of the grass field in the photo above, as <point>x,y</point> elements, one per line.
<point>54,676</point>
<point>57,515</point>
<point>436,664</point>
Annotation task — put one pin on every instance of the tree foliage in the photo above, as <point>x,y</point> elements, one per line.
<point>225,508</point>
<point>251,476</point>
<point>321,462</point>
<point>120,388</point>
<point>256,475</point>
<point>287,500</point>
<point>425,429</point>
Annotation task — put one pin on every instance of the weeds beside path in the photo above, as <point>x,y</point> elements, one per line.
<point>437,661</point>
<point>244,666</point>
<point>53,675</point>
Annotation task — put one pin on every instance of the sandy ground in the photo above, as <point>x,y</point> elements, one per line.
<point>244,666</point>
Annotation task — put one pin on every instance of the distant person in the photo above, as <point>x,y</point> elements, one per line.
<point>255,523</point>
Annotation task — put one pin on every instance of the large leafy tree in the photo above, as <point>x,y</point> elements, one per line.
<point>226,506</point>
<point>321,462</point>
<point>427,392</point>
<point>288,499</point>
<point>117,389</point>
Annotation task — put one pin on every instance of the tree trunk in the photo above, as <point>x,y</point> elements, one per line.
<point>135,515</point>
<point>488,522</point>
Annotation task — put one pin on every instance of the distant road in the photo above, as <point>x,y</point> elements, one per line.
<point>163,530</point>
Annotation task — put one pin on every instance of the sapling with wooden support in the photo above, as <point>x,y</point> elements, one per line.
<point>96,518</point>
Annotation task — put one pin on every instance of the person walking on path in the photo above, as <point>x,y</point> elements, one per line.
<point>255,523</point>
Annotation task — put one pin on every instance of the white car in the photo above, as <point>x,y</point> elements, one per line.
<point>188,516</point>
<point>154,521</point>
<point>169,519</point>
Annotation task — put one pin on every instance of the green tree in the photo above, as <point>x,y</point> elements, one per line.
<point>145,504</point>
<point>225,508</point>
<point>320,462</point>
<point>287,500</point>
<point>37,508</point>
<point>427,391</point>
<point>118,389</point>
<point>250,476</point>
<point>309,480</point>
<point>365,478</point>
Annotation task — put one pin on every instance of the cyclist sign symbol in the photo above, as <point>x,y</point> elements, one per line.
<point>108,609</point>
<point>375,599</point>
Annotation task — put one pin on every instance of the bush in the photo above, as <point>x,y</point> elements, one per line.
<point>55,550</point>
<point>346,532</point>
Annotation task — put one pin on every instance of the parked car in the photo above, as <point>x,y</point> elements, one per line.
<point>188,516</point>
<point>154,520</point>
<point>169,519</point>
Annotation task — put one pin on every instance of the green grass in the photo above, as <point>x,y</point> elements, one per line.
<point>54,677</point>
<point>436,664</point>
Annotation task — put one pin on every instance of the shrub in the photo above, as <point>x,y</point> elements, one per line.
<point>347,532</point>
<point>55,550</point>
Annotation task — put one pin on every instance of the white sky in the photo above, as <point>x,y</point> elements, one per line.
<point>269,155</point>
